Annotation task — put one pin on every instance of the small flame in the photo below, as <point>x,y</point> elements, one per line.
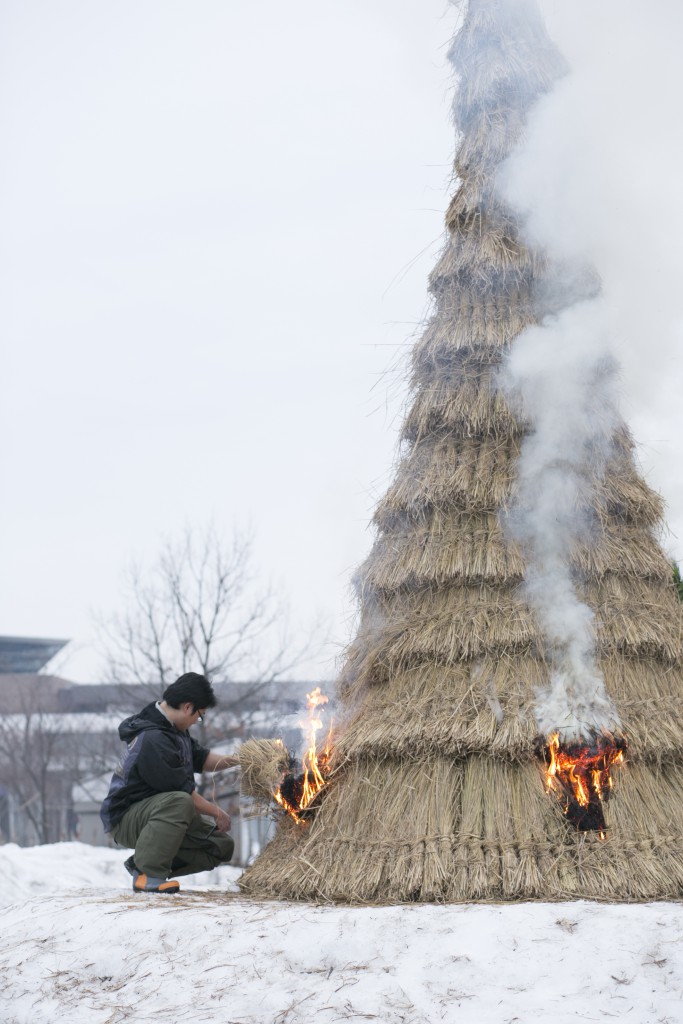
<point>316,770</point>
<point>580,776</point>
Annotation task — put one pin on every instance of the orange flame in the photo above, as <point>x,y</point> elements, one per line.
<point>580,776</point>
<point>315,766</point>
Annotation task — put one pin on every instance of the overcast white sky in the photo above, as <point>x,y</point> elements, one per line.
<point>217,219</point>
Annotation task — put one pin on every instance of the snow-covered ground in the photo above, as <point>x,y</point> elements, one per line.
<point>77,945</point>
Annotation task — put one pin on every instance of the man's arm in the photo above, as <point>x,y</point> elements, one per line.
<point>203,806</point>
<point>217,762</point>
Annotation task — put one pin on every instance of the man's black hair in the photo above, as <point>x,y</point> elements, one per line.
<point>190,688</point>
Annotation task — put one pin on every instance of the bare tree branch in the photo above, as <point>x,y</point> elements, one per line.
<point>197,607</point>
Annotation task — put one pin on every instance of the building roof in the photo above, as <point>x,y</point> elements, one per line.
<point>20,654</point>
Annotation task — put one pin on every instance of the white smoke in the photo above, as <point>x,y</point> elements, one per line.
<point>596,181</point>
<point>563,378</point>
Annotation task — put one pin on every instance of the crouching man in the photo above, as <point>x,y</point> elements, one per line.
<point>153,805</point>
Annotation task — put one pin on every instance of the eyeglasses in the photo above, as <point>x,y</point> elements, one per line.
<point>200,715</point>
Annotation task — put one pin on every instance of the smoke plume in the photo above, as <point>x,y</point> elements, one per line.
<point>588,195</point>
<point>563,379</point>
<point>597,180</point>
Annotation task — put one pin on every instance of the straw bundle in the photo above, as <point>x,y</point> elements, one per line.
<point>471,545</point>
<point>440,794</point>
<point>474,409</point>
<point>448,473</point>
<point>262,763</point>
<point>477,323</point>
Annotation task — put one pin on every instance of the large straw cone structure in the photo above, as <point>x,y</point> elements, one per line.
<point>440,797</point>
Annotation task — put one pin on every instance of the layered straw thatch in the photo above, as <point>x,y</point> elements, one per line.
<point>439,793</point>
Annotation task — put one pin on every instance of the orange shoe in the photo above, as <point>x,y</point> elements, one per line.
<point>147,883</point>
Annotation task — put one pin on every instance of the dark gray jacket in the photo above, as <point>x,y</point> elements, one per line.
<point>158,759</point>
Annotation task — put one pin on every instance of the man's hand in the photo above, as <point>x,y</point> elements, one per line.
<point>222,821</point>
<point>212,810</point>
<point>219,762</point>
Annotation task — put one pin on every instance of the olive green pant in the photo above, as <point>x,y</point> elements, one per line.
<point>170,838</point>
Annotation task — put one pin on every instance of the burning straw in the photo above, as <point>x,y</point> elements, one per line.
<point>580,775</point>
<point>297,791</point>
<point>271,774</point>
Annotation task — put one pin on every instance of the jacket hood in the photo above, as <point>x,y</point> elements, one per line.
<point>149,718</point>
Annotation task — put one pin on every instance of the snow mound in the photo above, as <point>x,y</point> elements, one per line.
<point>71,867</point>
<point>104,955</point>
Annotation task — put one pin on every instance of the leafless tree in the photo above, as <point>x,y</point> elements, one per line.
<point>197,608</point>
<point>42,758</point>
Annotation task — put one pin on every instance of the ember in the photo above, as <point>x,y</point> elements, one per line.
<point>298,789</point>
<point>579,773</point>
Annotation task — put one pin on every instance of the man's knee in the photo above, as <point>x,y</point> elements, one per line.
<point>225,847</point>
